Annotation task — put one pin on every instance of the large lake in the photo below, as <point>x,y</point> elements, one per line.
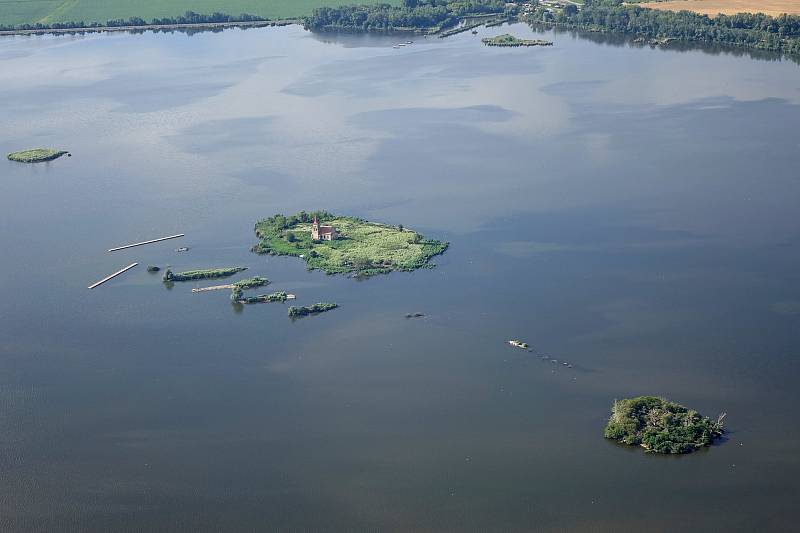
<point>630,211</point>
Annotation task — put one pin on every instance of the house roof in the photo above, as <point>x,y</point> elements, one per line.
<point>326,229</point>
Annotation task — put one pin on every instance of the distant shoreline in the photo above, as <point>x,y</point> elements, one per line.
<point>145,27</point>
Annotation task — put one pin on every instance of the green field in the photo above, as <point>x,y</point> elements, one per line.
<point>15,12</point>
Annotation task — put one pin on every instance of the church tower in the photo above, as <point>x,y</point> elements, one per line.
<point>315,230</point>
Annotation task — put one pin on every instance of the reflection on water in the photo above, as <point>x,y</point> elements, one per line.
<point>629,211</point>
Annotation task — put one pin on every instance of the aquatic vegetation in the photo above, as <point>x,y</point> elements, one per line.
<point>37,155</point>
<point>237,294</point>
<point>661,426</point>
<point>313,309</point>
<point>510,40</point>
<point>251,283</point>
<point>189,275</point>
<point>277,297</point>
<point>362,248</point>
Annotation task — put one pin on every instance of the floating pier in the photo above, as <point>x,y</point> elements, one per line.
<point>214,288</point>
<point>112,276</point>
<point>145,242</point>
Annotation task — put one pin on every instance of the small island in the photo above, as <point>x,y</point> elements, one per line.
<point>37,155</point>
<point>211,273</point>
<point>278,297</point>
<point>238,288</point>
<point>251,283</point>
<point>510,40</point>
<point>345,245</point>
<point>296,312</point>
<point>661,426</point>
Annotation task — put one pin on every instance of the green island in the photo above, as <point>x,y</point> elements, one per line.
<point>251,283</point>
<point>37,155</point>
<point>510,40</point>
<point>345,245</point>
<point>238,288</point>
<point>275,297</point>
<point>296,312</point>
<point>661,426</point>
<point>210,273</point>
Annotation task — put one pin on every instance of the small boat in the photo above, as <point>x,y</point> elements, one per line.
<point>182,249</point>
<point>518,344</point>
<point>409,42</point>
<point>474,32</point>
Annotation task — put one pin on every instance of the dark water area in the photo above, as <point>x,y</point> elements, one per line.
<point>630,211</point>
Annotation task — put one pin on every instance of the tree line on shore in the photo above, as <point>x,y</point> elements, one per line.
<point>411,15</point>
<point>760,31</point>
<point>754,31</point>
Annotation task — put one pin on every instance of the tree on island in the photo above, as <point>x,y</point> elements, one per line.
<point>661,426</point>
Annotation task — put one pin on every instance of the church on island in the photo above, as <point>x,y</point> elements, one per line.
<point>322,233</point>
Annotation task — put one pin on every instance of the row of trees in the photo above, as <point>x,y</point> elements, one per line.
<point>759,31</point>
<point>190,17</point>
<point>413,14</point>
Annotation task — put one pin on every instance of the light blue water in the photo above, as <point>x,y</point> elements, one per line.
<point>630,211</point>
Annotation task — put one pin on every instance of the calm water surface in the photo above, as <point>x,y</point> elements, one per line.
<point>630,211</point>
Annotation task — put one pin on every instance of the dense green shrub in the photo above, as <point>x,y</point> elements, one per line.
<point>313,309</point>
<point>419,15</point>
<point>189,275</point>
<point>661,426</point>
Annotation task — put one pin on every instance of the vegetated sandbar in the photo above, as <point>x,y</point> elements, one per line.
<point>661,426</point>
<point>211,273</point>
<point>238,288</point>
<point>37,155</point>
<point>511,41</point>
<point>345,244</point>
<point>321,307</point>
<point>278,297</point>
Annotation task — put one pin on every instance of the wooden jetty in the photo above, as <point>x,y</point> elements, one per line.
<point>145,242</point>
<point>214,288</point>
<point>112,276</point>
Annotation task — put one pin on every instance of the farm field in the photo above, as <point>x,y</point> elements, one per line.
<point>730,7</point>
<point>15,12</point>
